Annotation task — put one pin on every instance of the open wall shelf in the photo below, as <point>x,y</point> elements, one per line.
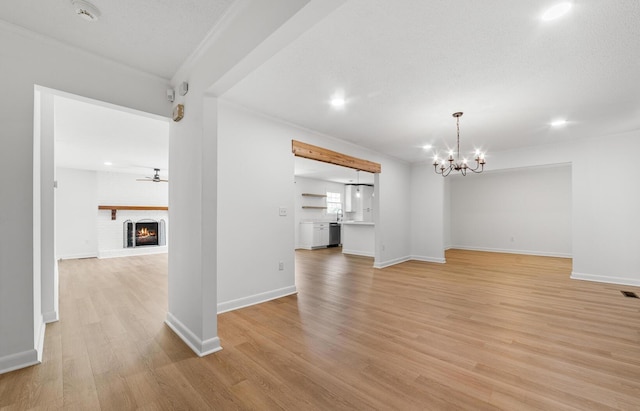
<point>114,208</point>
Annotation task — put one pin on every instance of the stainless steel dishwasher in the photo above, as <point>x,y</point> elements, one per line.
<point>334,234</point>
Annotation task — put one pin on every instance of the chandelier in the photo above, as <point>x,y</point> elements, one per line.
<point>441,166</point>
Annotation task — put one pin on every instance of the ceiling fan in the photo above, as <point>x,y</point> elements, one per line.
<point>156,177</point>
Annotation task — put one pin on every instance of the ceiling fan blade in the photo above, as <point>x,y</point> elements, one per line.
<point>155,179</point>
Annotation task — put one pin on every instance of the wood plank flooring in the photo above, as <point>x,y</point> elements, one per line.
<point>483,332</point>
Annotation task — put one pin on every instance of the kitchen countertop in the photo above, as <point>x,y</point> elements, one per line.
<point>358,223</point>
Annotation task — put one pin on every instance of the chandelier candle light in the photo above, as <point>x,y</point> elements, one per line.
<point>441,166</point>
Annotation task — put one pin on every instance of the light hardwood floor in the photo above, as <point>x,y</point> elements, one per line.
<point>484,331</point>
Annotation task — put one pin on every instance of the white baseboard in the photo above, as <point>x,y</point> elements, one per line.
<point>606,279</point>
<point>389,263</point>
<point>508,251</point>
<point>50,317</point>
<point>128,252</point>
<point>256,299</point>
<point>77,256</point>
<point>395,261</point>
<point>200,347</point>
<point>19,360</point>
<point>358,252</point>
<point>427,259</point>
<point>40,343</point>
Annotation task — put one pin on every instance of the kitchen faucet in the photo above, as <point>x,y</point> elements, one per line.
<point>338,214</point>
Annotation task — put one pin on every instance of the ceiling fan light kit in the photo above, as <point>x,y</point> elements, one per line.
<point>441,167</point>
<point>155,179</point>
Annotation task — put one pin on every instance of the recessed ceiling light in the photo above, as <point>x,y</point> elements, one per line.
<point>337,102</point>
<point>427,146</point>
<point>559,123</point>
<point>108,163</point>
<point>86,10</point>
<point>556,11</point>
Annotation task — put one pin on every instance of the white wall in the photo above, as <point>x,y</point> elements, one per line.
<point>604,213</point>
<point>252,32</point>
<point>391,210</point>
<point>124,189</point>
<point>84,231</point>
<point>255,166</point>
<point>248,205</point>
<point>446,214</point>
<point>523,211</point>
<point>76,214</point>
<point>427,212</point>
<point>606,217</point>
<point>28,60</point>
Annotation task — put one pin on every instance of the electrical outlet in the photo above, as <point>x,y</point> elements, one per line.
<point>282,211</point>
<point>281,265</point>
<point>512,239</point>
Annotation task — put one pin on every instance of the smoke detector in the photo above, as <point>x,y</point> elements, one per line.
<point>85,10</point>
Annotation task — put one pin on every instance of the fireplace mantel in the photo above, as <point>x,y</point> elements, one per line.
<point>114,208</point>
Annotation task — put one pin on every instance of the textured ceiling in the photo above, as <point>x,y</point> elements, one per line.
<point>403,66</point>
<point>87,135</point>
<point>154,36</point>
<point>406,66</point>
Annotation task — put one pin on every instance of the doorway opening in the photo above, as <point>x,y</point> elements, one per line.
<point>82,157</point>
<point>334,199</point>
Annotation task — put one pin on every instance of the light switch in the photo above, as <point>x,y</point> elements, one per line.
<point>283,211</point>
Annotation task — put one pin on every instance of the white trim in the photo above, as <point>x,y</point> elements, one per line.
<point>256,299</point>
<point>389,263</point>
<point>357,252</point>
<point>209,39</point>
<point>78,256</point>
<point>606,279</point>
<point>50,317</point>
<point>201,348</point>
<point>128,252</point>
<point>40,344</point>
<point>100,103</point>
<point>507,251</point>
<point>426,259</point>
<point>19,360</point>
<point>395,261</point>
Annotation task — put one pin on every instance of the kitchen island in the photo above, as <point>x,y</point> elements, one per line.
<point>358,238</point>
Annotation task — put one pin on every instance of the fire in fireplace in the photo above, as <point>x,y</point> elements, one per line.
<point>144,233</point>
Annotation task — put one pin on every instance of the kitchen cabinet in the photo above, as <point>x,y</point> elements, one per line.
<point>320,235</point>
<point>349,197</point>
<point>358,238</point>
<point>361,206</point>
<point>314,235</point>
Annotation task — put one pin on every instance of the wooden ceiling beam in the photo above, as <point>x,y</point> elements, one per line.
<point>312,152</point>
